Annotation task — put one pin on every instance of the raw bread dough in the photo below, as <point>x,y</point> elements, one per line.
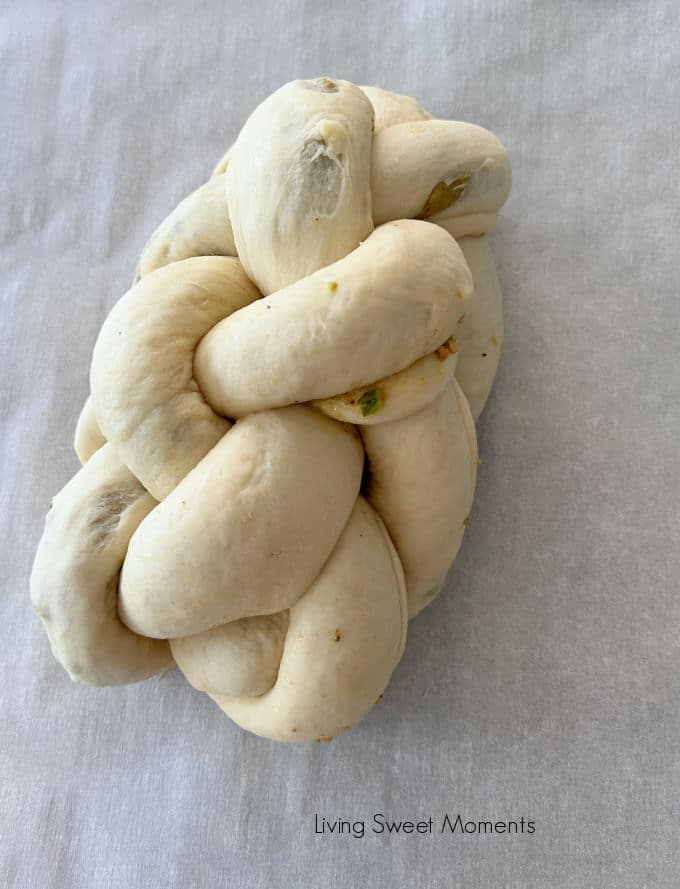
<point>279,453</point>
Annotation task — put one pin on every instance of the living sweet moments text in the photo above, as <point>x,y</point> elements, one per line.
<point>446,824</point>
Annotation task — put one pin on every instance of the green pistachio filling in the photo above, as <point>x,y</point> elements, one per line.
<point>370,402</point>
<point>444,195</point>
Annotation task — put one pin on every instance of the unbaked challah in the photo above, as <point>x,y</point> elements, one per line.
<point>279,451</point>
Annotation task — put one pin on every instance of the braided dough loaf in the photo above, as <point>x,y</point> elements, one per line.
<point>279,451</point>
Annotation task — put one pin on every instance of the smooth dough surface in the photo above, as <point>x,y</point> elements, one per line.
<point>198,226</point>
<point>454,174</point>
<point>145,397</point>
<point>247,531</point>
<point>480,334</point>
<point>89,437</point>
<point>238,658</point>
<point>393,300</point>
<point>298,180</point>
<point>75,575</point>
<point>398,395</point>
<point>392,108</point>
<point>222,164</point>
<point>422,480</point>
<point>345,637</point>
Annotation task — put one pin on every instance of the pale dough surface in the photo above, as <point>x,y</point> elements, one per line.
<point>544,680</point>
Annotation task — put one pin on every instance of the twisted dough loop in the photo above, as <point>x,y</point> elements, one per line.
<point>279,453</point>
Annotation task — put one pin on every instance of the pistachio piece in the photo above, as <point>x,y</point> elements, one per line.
<point>370,402</point>
<point>444,195</point>
<point>327,84</point>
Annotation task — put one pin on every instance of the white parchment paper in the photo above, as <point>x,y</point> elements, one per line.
<point>545,681</point>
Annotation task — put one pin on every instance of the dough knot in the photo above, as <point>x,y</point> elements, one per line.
<point>279,451</point>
